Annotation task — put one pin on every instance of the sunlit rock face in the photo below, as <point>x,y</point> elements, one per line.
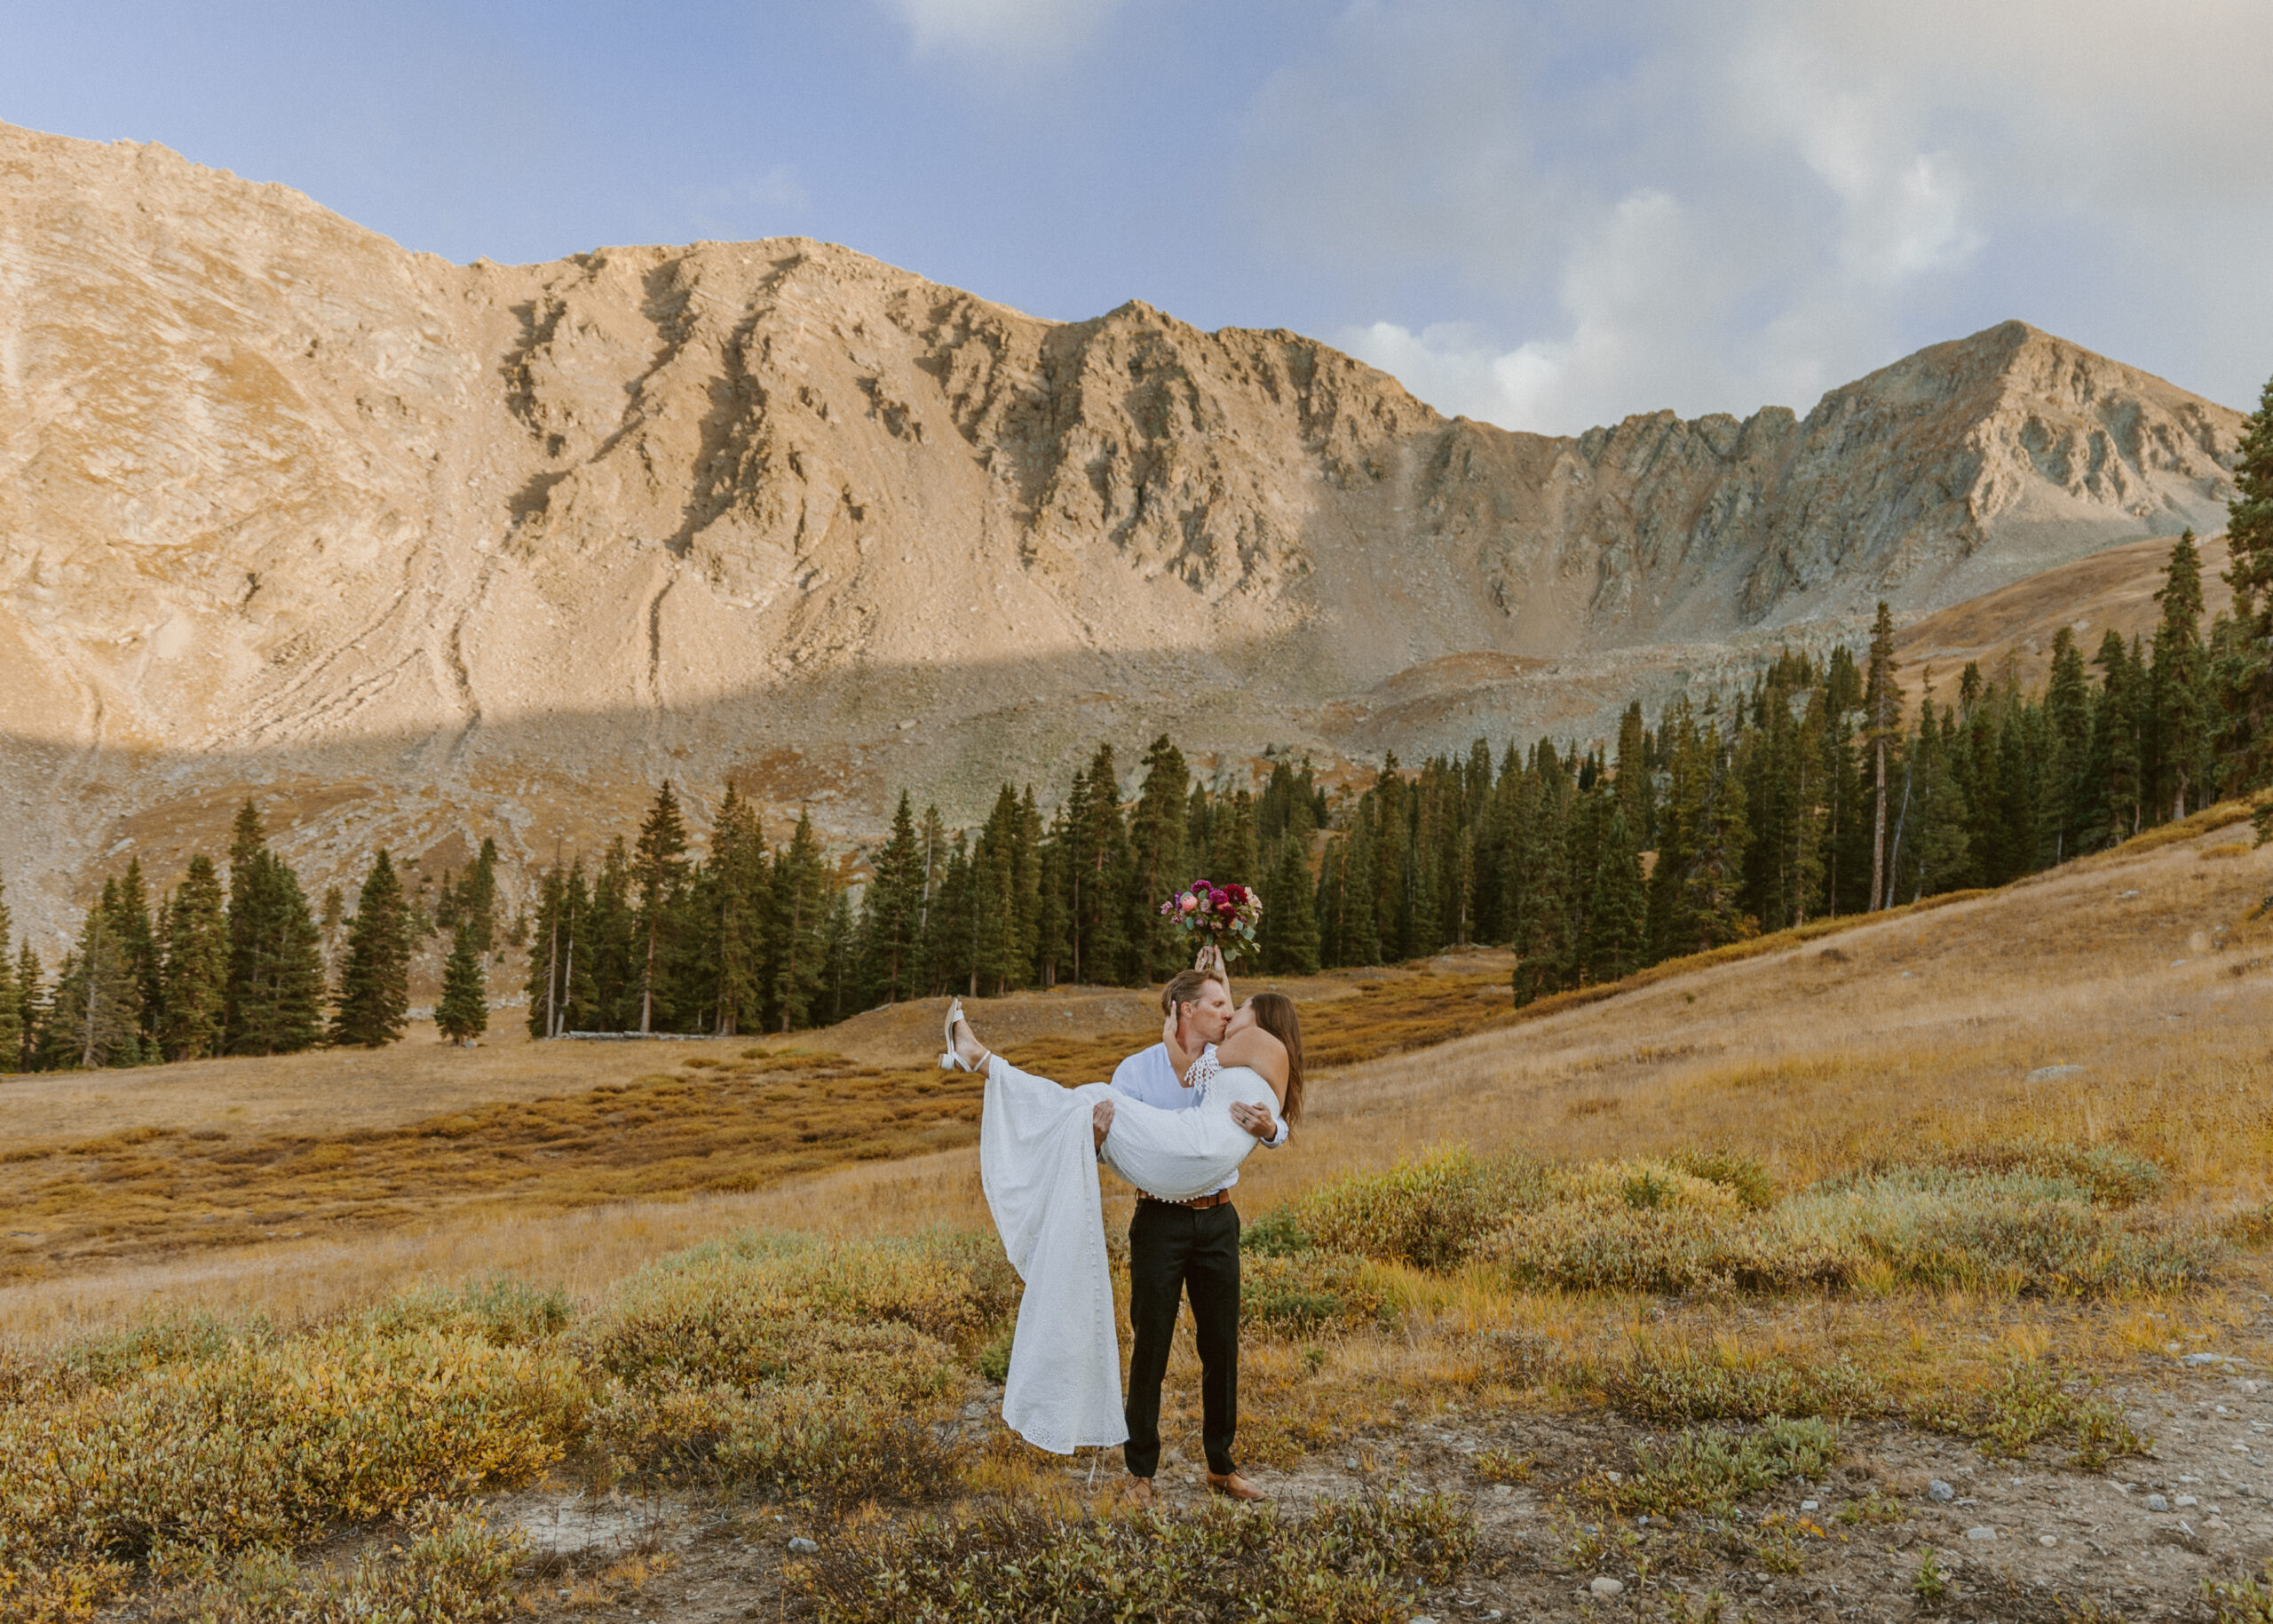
<point>412,549</point>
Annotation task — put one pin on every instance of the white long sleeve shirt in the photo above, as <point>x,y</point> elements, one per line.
<point>1149,1075</point>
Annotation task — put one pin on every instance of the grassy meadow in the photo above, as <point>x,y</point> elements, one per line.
<point>1967,1172</point>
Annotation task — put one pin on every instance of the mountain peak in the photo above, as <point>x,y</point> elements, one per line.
<point>395,541</point>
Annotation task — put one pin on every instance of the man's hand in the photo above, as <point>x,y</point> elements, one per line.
<point>1254,1119</point>
<point>1101,1120</point>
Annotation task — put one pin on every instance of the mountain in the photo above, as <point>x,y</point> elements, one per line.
<point>410,547</point>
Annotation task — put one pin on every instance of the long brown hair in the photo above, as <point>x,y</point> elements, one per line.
<point>1274,1013</point>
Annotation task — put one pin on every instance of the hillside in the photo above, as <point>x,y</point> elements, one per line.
<point>404,544</point>
<point>1993,1174</point>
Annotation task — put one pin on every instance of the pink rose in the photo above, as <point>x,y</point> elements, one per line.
<point>1188,902</point>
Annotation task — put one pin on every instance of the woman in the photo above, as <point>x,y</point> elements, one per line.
<point>1037,1160</point>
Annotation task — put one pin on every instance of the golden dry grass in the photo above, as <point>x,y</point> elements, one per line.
<point>1922,1029</point>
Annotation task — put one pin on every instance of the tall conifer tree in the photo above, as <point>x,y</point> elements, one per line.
<point>374,1002</point>
<point>463,1014</point>
<point>658,864</point>
<point>197,964</point>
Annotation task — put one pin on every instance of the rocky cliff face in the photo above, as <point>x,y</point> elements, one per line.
<point>403,544</point>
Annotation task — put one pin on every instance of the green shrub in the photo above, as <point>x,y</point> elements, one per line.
<point>453,1569</point>
<point>2028,1402</point>
<point>1014,1562</point>
<point>1742,1177</point>
<point>819,1444</point>
<point>272,1441</point>
<point>1673,1249</point>
<point>2241,1601</point>
<point>1708,1470</point>
<point>1313,1291</point>
<point>502,1312</point>
<point>2108,1174</point>
<point>1429,1213</point>
<point>1627,1227</point>
<point>1277,1233</point>
<point>1673,1386</point>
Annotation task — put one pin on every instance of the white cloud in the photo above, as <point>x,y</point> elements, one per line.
<point>1009,28</point>
<point>1715,205</point>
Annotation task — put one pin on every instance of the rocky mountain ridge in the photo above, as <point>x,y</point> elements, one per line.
<point>409,547</point>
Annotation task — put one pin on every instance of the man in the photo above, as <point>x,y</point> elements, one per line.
<point>1180,1246</point>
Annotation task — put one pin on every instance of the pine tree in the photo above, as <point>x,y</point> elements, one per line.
<point>96,999</point>
<point>478,897</point>
<point>275,987</point>
<point>1158,858</point>
<point>2068,711</point>
<point>554,935</point>
<point>1619,914</point>
<point>2178,682</point>
<point>1882,705</point>
<point>32,1004</point>
<point>197,964</point>
<point>1290,936</point>
<point>11,1006</point>
<point>741,895</point>
<point>2112,799</point>
<point>892,912</point>
<point>802,895</point>
<point>658,864</point>
<point>463,1013</point>
<point>129,911</point>
<point>374,1002</point>
<point>2245,676</point>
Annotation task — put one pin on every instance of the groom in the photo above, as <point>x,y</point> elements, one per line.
<point>1180,1246</point>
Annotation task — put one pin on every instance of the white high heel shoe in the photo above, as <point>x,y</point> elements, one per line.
<point>951,1061</point>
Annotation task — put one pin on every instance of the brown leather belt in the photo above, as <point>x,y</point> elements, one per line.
<point>1198,1203</point>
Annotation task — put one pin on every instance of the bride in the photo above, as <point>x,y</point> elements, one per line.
<point>1038,1160</point>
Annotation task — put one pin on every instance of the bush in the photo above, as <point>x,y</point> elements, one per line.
<point>501,1312</point>
<point>268,1442</point>
<point>1639,1227</point>
<point>456,1569</point>
<point>1429,1213</point>
<point>1687,1385</point>
<point>821,1371</point>
<point>1709,1470</point>
<point>824,1446</point>
<point>1311,1292</point>
<point>745,1310</point>
<point>1743,1176</point>
<point>1018,1561</point>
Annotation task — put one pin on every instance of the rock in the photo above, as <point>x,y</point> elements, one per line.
<point>2185,1501</point>
<point>1981,1533</point>
<point>1938,1490</point>
<point>810,445</point>
<point>2044,1072</point>
<point>2209,1358</point>
<point>1606,1587</point>
<point>2046,1539</point>
<point>1807,1505</point>
<point>802,1546</point>
<point>2155,1502</point>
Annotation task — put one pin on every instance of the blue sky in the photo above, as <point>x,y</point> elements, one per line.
<point>1542,212</point>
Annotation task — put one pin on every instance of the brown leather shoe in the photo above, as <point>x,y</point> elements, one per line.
<point>1138,1491</point>
<point>1231,1485</point>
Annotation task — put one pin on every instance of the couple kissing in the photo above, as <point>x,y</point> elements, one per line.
<point>1176,1122</point>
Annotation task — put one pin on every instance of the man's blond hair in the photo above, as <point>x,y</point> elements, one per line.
<point>1186,986</point>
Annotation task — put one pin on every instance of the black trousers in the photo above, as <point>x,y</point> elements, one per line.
<point>1173,1250</point>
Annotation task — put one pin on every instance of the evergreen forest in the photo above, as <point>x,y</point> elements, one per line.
<point>1816,790</point>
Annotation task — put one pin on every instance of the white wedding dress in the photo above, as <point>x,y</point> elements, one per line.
<point>1038,1163</point>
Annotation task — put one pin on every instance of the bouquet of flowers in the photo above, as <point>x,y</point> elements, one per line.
<point>1225,914</point>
